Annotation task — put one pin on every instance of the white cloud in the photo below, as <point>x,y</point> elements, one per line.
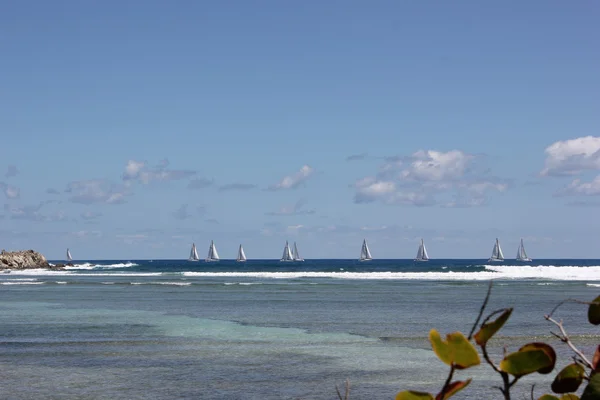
<point>96,191</point>
<point>420,178</point>
<point>571,157</point>
<point>90,215</point>
<point>437,166</point>
<point>139,171</point>
<point>295,180</point>
<point>577,187</point>
<point>11,192</point>
<point>236,186</point>
<point>182,212</point>
<point>357,157</point>
<point>296,209</point>
<point>33,213</point>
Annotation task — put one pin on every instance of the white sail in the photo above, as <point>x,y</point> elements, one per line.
<point>521,253</point>
<point>212,253</point>
<point>497,255</point>
<point>69,258</point>
<point>365,253</point>
<point>194,253</point>
<point>296,255</point>
<point>287,254</point>
<point>422,253</point>
<point>241,257</point>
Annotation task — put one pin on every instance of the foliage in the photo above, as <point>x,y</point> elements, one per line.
<point>459,352</point>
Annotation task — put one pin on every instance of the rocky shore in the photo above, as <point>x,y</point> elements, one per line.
<point>25,259</point>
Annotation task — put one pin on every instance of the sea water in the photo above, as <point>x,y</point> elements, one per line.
<point>127,329</point>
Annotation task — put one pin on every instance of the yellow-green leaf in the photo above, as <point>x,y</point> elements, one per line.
<point>533,357</point>
<point>413,395</point>
<point>489,329</point>
<point>455,350</point>
<point>452,389</point>
<point>569,396</point>
<point>594,312</point>
<point>592,390</point>
<point>568,379</point>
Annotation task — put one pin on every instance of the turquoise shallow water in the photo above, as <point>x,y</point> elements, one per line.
<point>168,329</point>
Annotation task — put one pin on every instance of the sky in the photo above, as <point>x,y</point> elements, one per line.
<point>130,129</point>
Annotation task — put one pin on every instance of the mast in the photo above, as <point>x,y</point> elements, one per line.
<point>212,252</point>
<point>241,255</point>
<point>422,252</point>
<point>521,253</point>
<point>497,252</point>
<point>296,255</point>
<point>365,254</point>
<point>287,254</point>
<point>193,253</point>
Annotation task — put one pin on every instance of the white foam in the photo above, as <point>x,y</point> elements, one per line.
<point>22,283</point>
<point>46,272</point>
<point>547,272</point>
<point>505,272</point>
<point>162,283</point>
<point>89,266</point>
<point>593,284</point>
<point>23,279</point>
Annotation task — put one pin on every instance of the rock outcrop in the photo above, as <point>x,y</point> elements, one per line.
<point>25,259</point>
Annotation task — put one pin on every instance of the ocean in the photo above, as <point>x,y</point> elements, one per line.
<point>172,329</point>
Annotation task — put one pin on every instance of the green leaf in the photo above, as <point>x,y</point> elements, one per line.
<point>568,379</point>
<point>489,329</point>
<point>594,312</point>
<point>548,397</point>
<point>452,389</point>
<point>592,390</point>
<point>455,350</point>
<point>412,395</point>
<point>533,357</point>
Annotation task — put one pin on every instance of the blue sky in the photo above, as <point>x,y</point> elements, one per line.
<point>130,129</point>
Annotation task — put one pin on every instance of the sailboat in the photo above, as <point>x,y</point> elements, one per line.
<point>422,253</point>
<point>241,257</point>
<point>212,253</point>
<point>296,254</point>
<point>497,255</point>
<point>365,254</point>
<point>194,253</point>
<point>522,254</point>
<point>69,258</point>
<point>287,254</point>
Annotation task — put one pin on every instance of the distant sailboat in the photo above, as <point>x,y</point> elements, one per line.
<point>497,255</point>
<point>212,253</point>
<point>241,257</point>
<point>69,258</point>
<point>287,253</point>
<point>194,253</point>
<point>522,254</point>
<point>365,254</point>
<point>296,254</point>
<point>422,253</point>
